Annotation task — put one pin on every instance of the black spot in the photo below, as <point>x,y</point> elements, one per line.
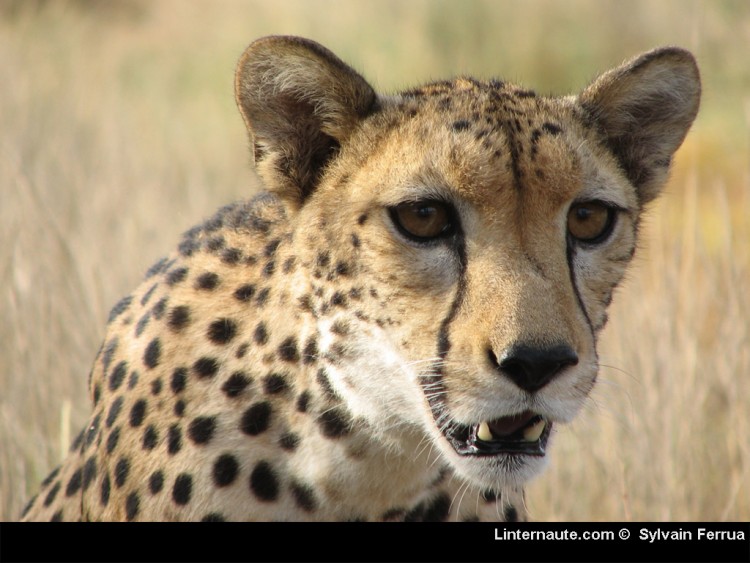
<point>112,440</point>
<point>271,247</point>
<point>150,437</point>
<point>323,259</point>
<point>179,379</point>
<point>179,407</point>
<point>221,331</point>
<point>341,328</point>
<point>510,513</point>
<point>236,384</point>
<point>304,496</point>
<point>28,506</point>
<point>261,334</point>
<point>231,256</point>
<point>51,477</point>
<point>89,472</point>
<point>242,350</point>
<point>183,489</point>
<point>438,509</point>
<point>174,439</point>
<point>225,470</point>
<point>57,516</point>
<point>78,441</point>
<point>269,268</point>
<point>206,367</point>
<point>334,423</point>
<point>74,484</point>
<point>216,222</point>
<point>121,306</point>
<point>142,324</point>
<point>187,247</point>
<point>362,219</point>
<point>551,128</point>
<point>207,281</point>
<point>176,276</point>
<point>213,517</point>
<point>322,379</point>
<point>288,265</point>
<point>157,268</point>
<point>489,495</point>
<point>201,429</point>
<point>310,353</point>
<point>393,514</point>
<point>50,498</point>
<point>156,482</point>
<point>159,308</point>
<point>93,428</point>
<point>132,504</point>
<point>288,350</point>
<point>355,241</point>
<point>153,354</point>
<point>97,393</point>
<point>105,490</point>
<point>138,413</point>
<point>262,296</point>
<point>133,379</point>
<point>264,483</point>
<point>303,401</point>
<point>289,441</point>
<point>179,317</point>
<point>460,125</point>
<point>338,299</point>
<point>343,269</point>
<point>256,419</point>
<point>275,383</point>
<point>215,243</point>
<point>117,376</point>
<point>244,292</point>
<point>122,468</point>
<point>156,386</point>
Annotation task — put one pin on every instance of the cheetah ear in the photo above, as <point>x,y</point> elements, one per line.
<point>300,103</point>
<point>644,108</point>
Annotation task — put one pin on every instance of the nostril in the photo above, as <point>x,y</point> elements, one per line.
<point>533,367</point>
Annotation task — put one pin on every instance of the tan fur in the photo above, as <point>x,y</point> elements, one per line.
<point>300,357</point>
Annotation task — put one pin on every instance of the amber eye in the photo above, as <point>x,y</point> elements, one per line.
<point>590,221</point>
<point>423,220</point>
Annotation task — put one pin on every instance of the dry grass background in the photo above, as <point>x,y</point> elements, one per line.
<point>118,131</point>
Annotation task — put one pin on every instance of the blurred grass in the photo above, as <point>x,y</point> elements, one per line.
<point>118,131</point>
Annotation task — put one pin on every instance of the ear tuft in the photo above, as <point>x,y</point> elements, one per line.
<point>644,108</point>
<point>299,102</point>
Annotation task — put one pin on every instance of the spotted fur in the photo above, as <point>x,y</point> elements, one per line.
<point>299,357</point>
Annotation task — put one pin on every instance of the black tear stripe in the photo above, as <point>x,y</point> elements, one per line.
<point>443,341</point>
<point>570,254</point>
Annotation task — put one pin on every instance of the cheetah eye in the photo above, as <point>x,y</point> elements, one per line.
<point>424,220</point>
<point>591,221</point>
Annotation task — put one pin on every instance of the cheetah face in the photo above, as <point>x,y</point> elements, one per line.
<point>464,238</point>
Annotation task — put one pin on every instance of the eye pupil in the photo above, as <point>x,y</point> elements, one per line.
<point>423,220</point>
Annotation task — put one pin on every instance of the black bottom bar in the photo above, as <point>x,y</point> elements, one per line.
<point>669,542</point>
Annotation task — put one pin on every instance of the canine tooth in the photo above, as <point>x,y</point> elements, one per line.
<point>532,433</point>
<point>484,433</point>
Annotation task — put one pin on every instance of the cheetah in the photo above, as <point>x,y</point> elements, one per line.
<point>396,325</point>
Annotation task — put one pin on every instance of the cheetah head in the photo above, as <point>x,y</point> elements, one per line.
<point>461,241</point>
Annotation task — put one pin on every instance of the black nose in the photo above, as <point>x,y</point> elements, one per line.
<point>532,367</point>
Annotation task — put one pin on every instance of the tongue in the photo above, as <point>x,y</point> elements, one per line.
<point>508,425</point>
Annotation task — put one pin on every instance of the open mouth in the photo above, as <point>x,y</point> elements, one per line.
<point>525,433</point>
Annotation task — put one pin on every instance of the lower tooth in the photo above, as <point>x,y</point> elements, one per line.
<point>532,433</point>
<point>484,433</point>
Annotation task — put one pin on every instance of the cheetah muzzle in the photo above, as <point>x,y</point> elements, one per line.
<point>395,327</point>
